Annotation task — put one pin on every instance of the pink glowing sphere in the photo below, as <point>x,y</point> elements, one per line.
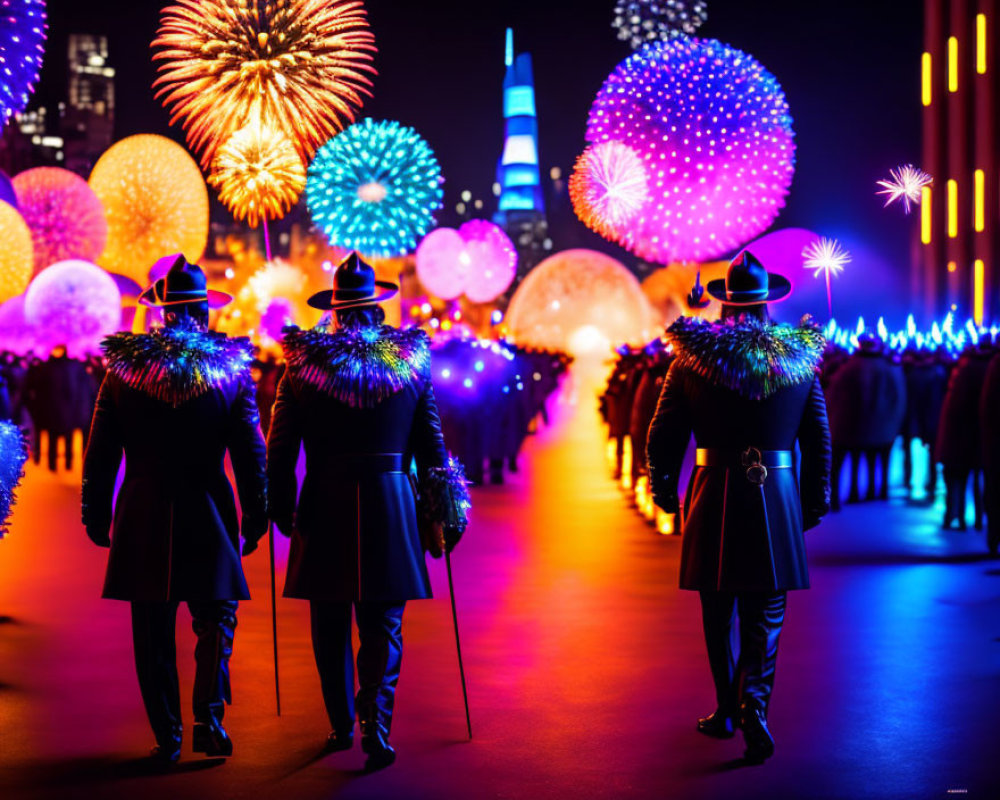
<point>278,314</point>
<point>65,217</point>
<point>75,303</point>
<point>714,133</point>
<point>492,257</point>
<point>442,263</point>
<point>581,302</point>
<point>478,260</point>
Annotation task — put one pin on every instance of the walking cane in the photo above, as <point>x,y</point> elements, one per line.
<point>458,643</point>
<point>274,617</point>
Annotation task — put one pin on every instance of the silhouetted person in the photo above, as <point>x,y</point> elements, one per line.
<point>926,380</point>
<point>748,390</point>
<point>360,400</point>
<point>174,401</point>
<point>61,394</point>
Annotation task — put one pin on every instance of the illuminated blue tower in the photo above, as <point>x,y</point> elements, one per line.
<point>521,207</point>
<point>518,173</point>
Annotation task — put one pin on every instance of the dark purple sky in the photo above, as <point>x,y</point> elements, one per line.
<point>849,68</point>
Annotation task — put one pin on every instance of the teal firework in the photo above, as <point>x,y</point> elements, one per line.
<point>375,188</point>
<point>13,454</point>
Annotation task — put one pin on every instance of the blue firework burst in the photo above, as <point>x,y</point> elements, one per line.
<point>375,188</point>
<point>22,44</point>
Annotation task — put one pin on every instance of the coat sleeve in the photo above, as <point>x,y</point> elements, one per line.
<point>101,461</point>
<point>247,452</point>
<point>669,434</point>
<point>284,440</point>
<point>814,442</point>
<point>444,493</point>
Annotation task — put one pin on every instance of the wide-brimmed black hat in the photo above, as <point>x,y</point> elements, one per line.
<point>747,283</point>
<point>354,285</point>
<point>183,283</point>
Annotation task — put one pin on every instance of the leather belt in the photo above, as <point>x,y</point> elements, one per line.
<point>353,465</point>
<point>756,462</point>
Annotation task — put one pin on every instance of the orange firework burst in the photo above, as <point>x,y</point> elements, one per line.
<point>301,66</point>
<point>258,174</point>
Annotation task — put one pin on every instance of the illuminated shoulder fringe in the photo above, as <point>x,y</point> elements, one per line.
<point>175,365</point>
<point>359,366</point>
<point>13,454</point>
<point>444,500</point>
<point>752,357</point>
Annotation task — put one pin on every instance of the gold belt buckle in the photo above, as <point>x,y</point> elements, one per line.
<point>756,471</point>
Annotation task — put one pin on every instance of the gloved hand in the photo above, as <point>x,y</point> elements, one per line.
<point>98,534</point>
<point>253,531</point>
<point>452,535</point>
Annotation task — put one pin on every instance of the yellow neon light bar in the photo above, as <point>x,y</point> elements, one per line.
<point>978,294</point>
<point>980,43</point>
<point>925,215</point>
<point>952,209</point>
<point>952,64</point>
<point>978,203</point>
<point>926,76</point>
<point>952,266</point>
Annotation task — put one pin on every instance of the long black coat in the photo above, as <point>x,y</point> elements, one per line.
<point>736,386</point>
<point>175,532</point>
<point>354,398</point>
<point>867,401</point>
<point>60,394</point>
<point>959,443</point>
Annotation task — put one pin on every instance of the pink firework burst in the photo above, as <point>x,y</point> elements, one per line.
<point>608,187</point>
<point>65,217</point>
<point>905,183</point>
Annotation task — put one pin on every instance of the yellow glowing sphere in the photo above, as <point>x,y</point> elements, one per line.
<point>16,254</point>
<point>258,174</point>
<point>302,66</point>
<point>156,204</point>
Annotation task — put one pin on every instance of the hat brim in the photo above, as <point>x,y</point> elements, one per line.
<point>779,288</point>
<point>214,299</point>
<point>324,300</point>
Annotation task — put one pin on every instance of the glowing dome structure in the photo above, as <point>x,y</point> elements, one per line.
<point>713,130</point>
<point>442,263</point>
<point>375,188</point>
<point>155,201</point>
<point>16,260</point>
<point>582,302</point>
<point>73,303</point>
<point>65,217</point>
<point>22,45</point>
<point>299,66</point>
<point>668,287</point>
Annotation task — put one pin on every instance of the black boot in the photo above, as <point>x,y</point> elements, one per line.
<point>156,668</point>
<point>717,612</point>
<point>168,747</point>
<point>718,725</point>
<point>753,722</point>
<point>337,742</point>
<point>375,742</point>
<point>215,625</point>
<point>761,618</point>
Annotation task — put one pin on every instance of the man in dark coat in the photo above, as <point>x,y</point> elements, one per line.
<point>959,441</point>
<point>174,401</point>
<point>61,396</point>
<point>359,398</point>
<point>926,379</point>
<point>748,390</point>
<point>989,423</point>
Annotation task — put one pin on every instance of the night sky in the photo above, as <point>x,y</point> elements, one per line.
<point>850,71</point>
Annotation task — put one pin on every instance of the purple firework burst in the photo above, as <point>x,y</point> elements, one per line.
<point>22,44</point>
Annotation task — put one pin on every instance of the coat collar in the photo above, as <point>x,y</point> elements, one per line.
<point>359,366</point>
<point>177,364</point>
<point>751,357</point>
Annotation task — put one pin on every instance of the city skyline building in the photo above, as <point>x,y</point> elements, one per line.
<point>87,119</point>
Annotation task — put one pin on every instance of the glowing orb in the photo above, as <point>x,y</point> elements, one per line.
<point>64,215</point>
<point>441,268</point>
<point>258,174</point>
<point>22,44</point>
<point>577,299</point>
<point>15,255</point>
<point>156,203</point>
<point>608,188</point>
<point>300,66</point>
<point>73,303</point>
<point>905,183</point>
<point>375,188</point>
<point>639,22</point>
<point>712,128</point>
<point>478,259</point>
